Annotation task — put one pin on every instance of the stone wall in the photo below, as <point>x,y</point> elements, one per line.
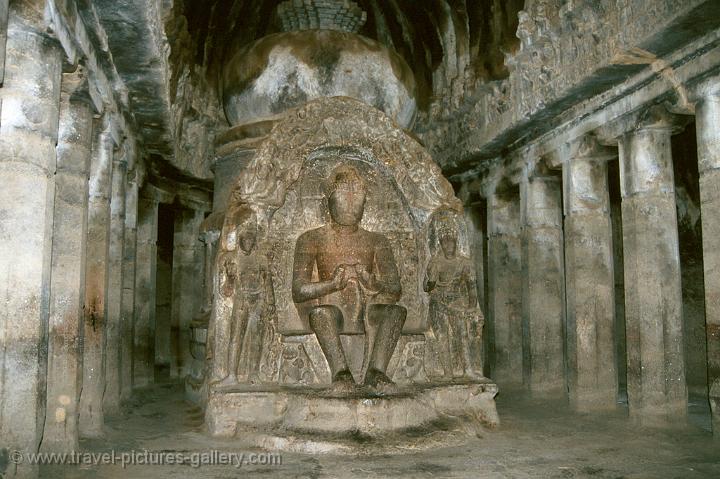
<point>569,51</point>
<point>612,109</point>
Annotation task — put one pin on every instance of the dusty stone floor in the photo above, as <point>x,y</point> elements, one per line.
<point>537,439</point>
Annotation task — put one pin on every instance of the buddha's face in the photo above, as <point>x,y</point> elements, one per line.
<point>347,203</point>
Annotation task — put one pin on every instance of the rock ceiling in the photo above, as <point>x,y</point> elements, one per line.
<point>169,54</point>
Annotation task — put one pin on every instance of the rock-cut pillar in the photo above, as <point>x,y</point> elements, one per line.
<point>187,281</point>
<point>505,285</point>
<point>708,139</point>
<point>96,282</point>
<point>128,288</point>
<point>67,289</point>
<point>543,284</point>
<point>653,296</point>
<point>113,349</point>
<point>28,135</point>
<point>589,277</point>
<point>145,274</point>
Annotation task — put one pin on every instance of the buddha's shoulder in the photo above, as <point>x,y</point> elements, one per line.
<point>314,235</point>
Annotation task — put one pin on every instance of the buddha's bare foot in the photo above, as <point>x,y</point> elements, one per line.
<point>343,383</point>
<point>379,381</point>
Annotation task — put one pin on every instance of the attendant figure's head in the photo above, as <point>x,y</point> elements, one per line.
<point>247,236</point>
<point>445,231</point>
<point>242,230</point>
<point>346,193</point>
<point>448,239</point>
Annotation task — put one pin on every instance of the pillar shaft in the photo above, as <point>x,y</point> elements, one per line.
<point>474,221</point>
<point>28,134</point>
<point>543,295</point>
<point>113,363</point>
<point>210,240</point>
<point>186,282</point>
<point>591,371</point>
<point>96,283</point>
<point>145,270</point>
<point>128,297</point>
<point>653,295</point>
<point>67,289</point>
<point>708,140</point>
<point>504,286</point>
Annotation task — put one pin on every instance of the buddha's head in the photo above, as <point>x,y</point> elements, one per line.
<point>346,192</point>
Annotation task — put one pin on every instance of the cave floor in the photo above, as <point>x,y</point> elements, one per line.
<point>536,439</point>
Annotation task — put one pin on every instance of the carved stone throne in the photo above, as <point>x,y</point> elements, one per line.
<point>282,390</point>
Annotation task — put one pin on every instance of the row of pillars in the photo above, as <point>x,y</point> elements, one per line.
<point>551,280</point>
<point>77,256</point>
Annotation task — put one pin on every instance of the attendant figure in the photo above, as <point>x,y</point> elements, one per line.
<point>246,278</point>
<point>455,318</point>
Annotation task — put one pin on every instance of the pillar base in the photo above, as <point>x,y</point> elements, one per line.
<point>715,407</point>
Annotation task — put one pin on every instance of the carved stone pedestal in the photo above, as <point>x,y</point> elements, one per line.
<point>314,421</point>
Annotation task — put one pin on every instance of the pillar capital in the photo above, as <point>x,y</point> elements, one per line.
<point>707,121</point>
<point>709,88</point>
<point>589,148</point>
<point>585,187</point>
<point>646,156</point>
<point>469,190</point>
<point>650,118</point>
<point>504,209</point>
<point>155,194</point>
<point>657,117</point>
<point>76,87</point>
<point>545,168</point>
<point>540,199</point>
<point>585,175</point>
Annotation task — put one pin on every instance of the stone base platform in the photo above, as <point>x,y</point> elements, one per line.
<point>313,420</point>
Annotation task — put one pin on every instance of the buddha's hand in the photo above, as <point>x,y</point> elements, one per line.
<point>268,310</point>
<point>366,278</point>
<point>340,277</point>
